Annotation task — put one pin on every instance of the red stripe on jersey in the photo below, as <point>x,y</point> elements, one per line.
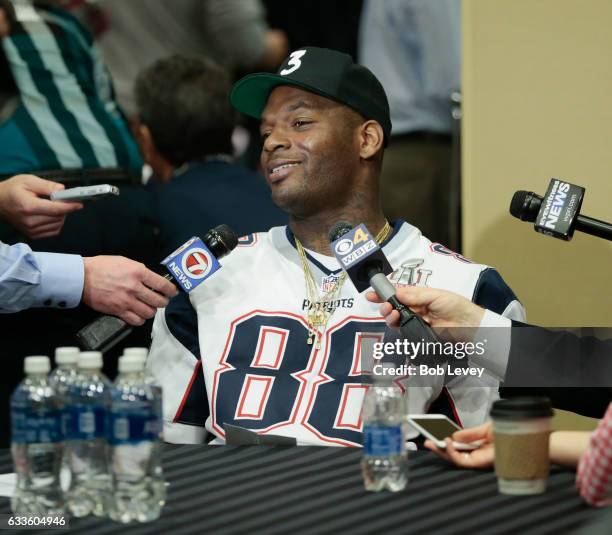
<point>194,375</point>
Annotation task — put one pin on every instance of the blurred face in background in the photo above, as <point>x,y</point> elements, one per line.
<point>6,11</point>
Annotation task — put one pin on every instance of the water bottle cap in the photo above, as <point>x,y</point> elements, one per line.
<point>37,364</point>
<point>66,355</point>
<point>90,360</point>
<point>131,363</point>
<point>141,352</point>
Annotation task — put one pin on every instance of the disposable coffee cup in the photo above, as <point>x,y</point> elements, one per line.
<point>521,429</point>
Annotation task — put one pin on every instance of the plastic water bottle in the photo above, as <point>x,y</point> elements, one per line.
<point>66,360</point>
<point>61,379</point>
<point>134,442</point>
<point>141,352</point>
<point>157,474</point>
<point>36,442</point>
<point>385,463</point>
<point>88,403</point>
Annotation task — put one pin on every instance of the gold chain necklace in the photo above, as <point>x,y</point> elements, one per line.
<point>323,307</point>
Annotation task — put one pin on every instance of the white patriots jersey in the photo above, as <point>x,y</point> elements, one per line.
<point>235,350</point>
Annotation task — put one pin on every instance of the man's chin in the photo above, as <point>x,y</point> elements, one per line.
<point>285,201</point>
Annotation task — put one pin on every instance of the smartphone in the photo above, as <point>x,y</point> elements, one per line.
<point>85,193</point>
<point>437,427</point>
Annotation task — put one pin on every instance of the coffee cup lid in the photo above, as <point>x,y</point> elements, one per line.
<point>522,407</point>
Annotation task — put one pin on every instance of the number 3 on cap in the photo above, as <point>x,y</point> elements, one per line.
<point>294,61</point>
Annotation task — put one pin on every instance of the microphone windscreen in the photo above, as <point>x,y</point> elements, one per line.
<point>220,241</point>
<point>338,230</point>
<point>525,205</point>
<point>228,236</point>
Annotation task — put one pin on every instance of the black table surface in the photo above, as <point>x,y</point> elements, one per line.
<point>274,490</point>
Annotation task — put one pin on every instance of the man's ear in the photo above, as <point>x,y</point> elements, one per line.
<point>162,168</point>
<point>145,142</point>
<point>371,139</point>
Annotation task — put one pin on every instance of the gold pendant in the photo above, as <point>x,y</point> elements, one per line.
<point>313,337</point>
<point>316,318</point>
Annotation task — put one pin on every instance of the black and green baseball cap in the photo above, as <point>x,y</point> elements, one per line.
<point>326,72</point>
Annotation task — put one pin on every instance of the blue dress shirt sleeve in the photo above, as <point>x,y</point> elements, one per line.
<point>29,279</point>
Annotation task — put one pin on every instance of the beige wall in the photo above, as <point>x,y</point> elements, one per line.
<point>537,87</point>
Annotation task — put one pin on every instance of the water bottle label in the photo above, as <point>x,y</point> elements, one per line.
<point>131,460</point>
<point>84,422</point>
<point>67,423</point>
<point>31,426</point>
<point>133,425</point>
<point>382,441</point>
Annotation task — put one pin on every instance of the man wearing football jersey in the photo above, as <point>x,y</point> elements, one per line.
<point>275,341</point>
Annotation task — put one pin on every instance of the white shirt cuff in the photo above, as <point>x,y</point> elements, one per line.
<point>494,332</point>
<point>490,319</point>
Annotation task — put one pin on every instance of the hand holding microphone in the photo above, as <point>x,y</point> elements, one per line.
<point>124,288</point>
<point>189,266</point>
<point>367,266</point>
<point>441,309</point>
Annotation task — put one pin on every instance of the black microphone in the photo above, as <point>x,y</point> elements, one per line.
<point>557,213</point>
<point>190,265</point>
<point>367,266</point>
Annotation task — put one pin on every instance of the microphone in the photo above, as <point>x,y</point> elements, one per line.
<point>367,266</point>
<point>557,214</point>
<point>189,266</point>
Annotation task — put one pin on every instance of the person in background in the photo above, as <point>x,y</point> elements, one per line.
<point>108,284</point>
<point>414,47</point>
<point>69,129</point>
<point>319,23</point>
<point>185,134</point>
<point>68,126</point>
<point>591,453</point>
<point>575,372</point>
<point>23,204</point>
<point>233,32</point>
<point>112,285</point>
<point>594,476</point>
